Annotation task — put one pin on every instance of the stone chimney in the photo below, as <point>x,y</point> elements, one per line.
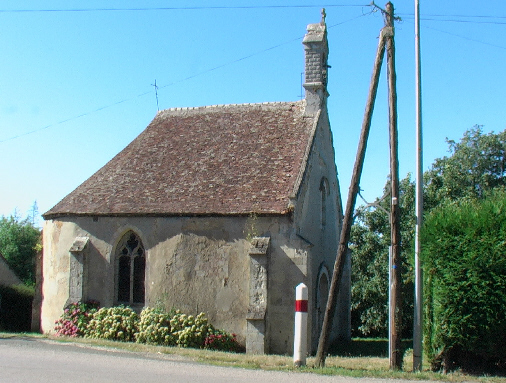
<point>316,51</point>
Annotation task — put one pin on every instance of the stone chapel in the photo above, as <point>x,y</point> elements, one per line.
<point>220,209</point>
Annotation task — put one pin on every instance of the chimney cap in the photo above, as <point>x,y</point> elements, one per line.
<point>316,32</point>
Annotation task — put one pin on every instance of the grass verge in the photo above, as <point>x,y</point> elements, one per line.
<point>352,366</point>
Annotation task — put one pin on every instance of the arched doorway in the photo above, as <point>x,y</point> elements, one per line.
<point>322,295</point>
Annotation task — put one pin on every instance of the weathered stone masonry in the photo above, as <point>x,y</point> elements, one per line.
<point>186,189</point>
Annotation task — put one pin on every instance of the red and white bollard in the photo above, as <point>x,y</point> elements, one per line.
<point>300,337</point>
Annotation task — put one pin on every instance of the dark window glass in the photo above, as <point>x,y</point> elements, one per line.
<point>131,266</point>
<point>124,279</point>
<point>139,268</point>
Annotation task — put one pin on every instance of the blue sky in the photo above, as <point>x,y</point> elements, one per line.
<point>76,85</point>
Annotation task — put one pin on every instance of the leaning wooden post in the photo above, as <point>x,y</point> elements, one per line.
<point>342,251</point>
<point>395,230</point>
<point>300,337</point>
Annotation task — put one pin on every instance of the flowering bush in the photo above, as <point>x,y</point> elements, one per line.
<point>222,341</point>
<point>114,323</point>
<point>75,318</point>
<point>190,331</point>
<point>154,328</point>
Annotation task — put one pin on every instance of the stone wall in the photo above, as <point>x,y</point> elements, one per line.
<point>196,264</point>
<point>318,216</point>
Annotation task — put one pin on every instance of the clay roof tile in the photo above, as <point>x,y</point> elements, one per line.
<point>228,159</point>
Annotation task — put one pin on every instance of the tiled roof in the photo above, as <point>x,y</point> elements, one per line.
<point>228,159</point>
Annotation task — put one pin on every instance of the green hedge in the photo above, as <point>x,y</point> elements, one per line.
<point>464,258</point>
<point>16,308</point>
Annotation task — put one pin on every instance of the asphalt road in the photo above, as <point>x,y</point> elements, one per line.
<point>40,360</point>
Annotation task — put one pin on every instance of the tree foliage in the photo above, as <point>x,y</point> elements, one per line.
<point>370,241</point>
<point>19,243</point>
<point>475,166</point>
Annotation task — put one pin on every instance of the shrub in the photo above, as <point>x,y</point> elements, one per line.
<point>75,318</point>
<point>465,289</point>
<point>220,340</point>
<point>114,323</point>
<point>16,308</point>
<point>154,328</point>
<point>190,331</point>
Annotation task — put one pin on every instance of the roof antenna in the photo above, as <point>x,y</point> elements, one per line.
<point>324,15</point>
<point>156,94</point>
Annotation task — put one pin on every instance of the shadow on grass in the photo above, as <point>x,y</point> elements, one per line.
<point>365,347</point>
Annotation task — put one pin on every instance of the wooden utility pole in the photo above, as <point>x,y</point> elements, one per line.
<point>395,286</point>
<point>350,207</point>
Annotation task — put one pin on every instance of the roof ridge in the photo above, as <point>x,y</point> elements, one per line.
<point>218,106</point>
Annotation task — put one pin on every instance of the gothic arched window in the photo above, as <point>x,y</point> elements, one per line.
<point>325,191</point>
<point>130,270</point>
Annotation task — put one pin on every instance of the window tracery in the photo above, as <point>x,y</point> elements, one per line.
<point>131,267</point>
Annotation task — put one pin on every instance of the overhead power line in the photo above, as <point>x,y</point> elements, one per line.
<point>139,9</point>
<point>458,21</point>
<point>466,38</point>
<point>256,53</point>
<point>472,19</point>
<point>464,16</point>
<point>173,83</point>
<point>404,16</point>
<point>225,7</point>
<point>73,118</point>
<point>458,35</point>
